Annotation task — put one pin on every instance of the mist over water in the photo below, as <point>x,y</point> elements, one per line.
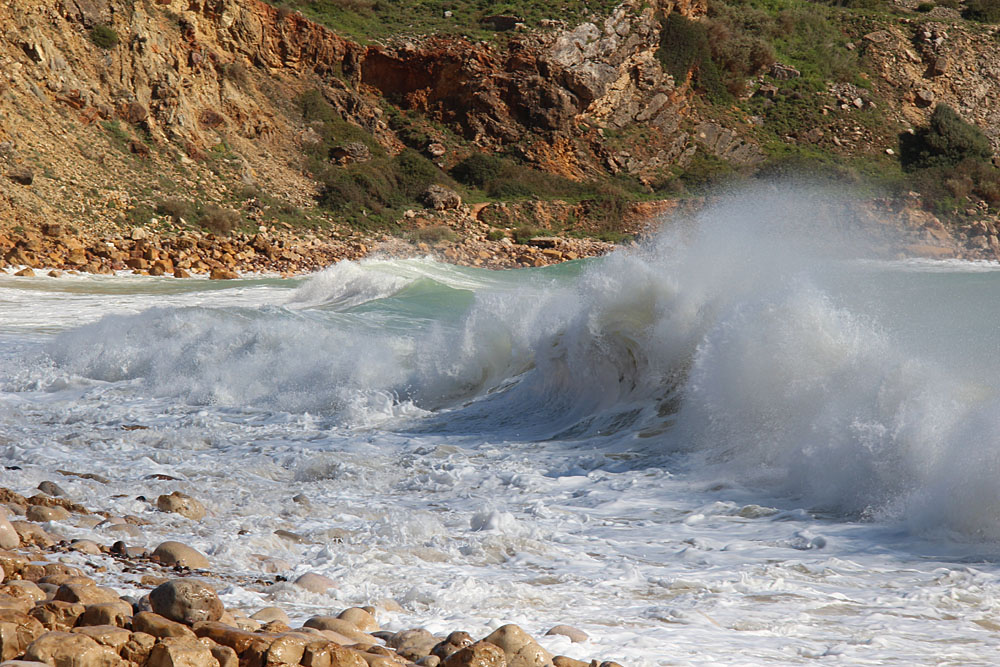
<point>756,349</point>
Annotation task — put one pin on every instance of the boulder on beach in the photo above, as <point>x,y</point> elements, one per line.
<point>186,601</point>
<point>177,553</point>
<point>183,504</point>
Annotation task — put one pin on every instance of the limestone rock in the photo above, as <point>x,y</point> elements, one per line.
<point>225,635</point>
<point>17,631</point>
<point>226,656</point>
<point>179,652</point>
<point>519,648</point>
<point>32,534</point>
<point>223,274</point>
<point>176,553</point>
<point>315,583</point>
<point>480,654</point>
<point>107,613</point>
<point>137,648</point>
<point>9,538</point>
<point>159,626</point>
<point>57,615</point>
<point>268,614</point>
<point>85,594</point>
<point>454,642</point>
<point>183,504</point>
<point>575,634</point>
<point>340,626</point>
<point>343,657</point>
<point>51,489</point>
<point>43,514</point>
<point>563,661</point>
<point>106,635</point>
<point>413,644</point>
<point>64,649</point>
<point>360,618</point>
<point>440,198</point>
<point>186,601</point>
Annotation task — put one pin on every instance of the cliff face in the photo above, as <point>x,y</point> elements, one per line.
<point>194,79</point>
<point>197,98</point>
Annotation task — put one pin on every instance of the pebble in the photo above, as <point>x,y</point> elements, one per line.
<point>575,635</point>
<point>9,538</point>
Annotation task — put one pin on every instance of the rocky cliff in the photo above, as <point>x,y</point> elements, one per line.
<point>109,108</point>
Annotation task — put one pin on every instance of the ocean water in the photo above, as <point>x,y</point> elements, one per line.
<point>744,441</point>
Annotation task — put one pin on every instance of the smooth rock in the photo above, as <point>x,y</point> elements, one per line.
<point>183,504</point>
<point>186,601</point>
<point>44,514</point>
<point>340,626</point>
<point>58,615</point>
<point>9,538</point>
<point>413,644</point>
<point>64,649</point>
<point>137,648</point>
<point>360,618</point>
<point>575,634</point>
<point>107,613</point>
<point>344,657</point>
<point>519,648</point>
<point>226,656</point>
<point>106,635</point>
<point>176,553</point>
<point>314,583</point>
<point>85,594</point>
<point>17,631</point>
<point>86,547</point>
<point>268,614</point>
<point>159,626</point>
<point>32,534</point>
<point>178,652</point>
<point>51,489</point>
<point>480,654</point>
<point>455,641</point>
<point>563,661</point>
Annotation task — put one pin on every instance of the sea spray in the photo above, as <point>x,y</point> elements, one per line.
<point>756,339</point>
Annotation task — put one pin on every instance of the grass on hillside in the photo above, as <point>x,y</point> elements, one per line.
<point>372,20</point>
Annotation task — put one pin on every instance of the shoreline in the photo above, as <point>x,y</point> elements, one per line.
<point>72,616</point>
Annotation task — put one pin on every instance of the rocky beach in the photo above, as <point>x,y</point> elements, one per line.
<point>61,615</point>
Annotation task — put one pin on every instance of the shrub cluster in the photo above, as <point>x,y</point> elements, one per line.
<point>985,11</point>
<point>950,161</point>
<point>103,36</point>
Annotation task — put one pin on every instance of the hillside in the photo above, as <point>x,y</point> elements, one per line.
<point>255,122</point>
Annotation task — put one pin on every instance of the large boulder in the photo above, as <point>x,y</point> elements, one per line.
<point>158,626</point>
<point>64,649</point>
<point>9,539</point>
<point>480,654</point>
<point>17,631</point>
<point>360,618</point>
<point>180,652</point>
<point>440,198</point>
<point>519,648</point>
<point>183,504</point>
<point>186,601</point>
<point>177,553</point>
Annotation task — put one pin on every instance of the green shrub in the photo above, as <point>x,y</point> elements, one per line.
<point>174,207</point>
<point>219,220</point>
<point>524,234</point>
<point>103,36</point>
<point>984,11</point>
<point>947,141</point>
<point>685,52</point>
<point>434,234</point>
<point>496,235</point>
<point>478,169</point>
<point>925,6</point>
